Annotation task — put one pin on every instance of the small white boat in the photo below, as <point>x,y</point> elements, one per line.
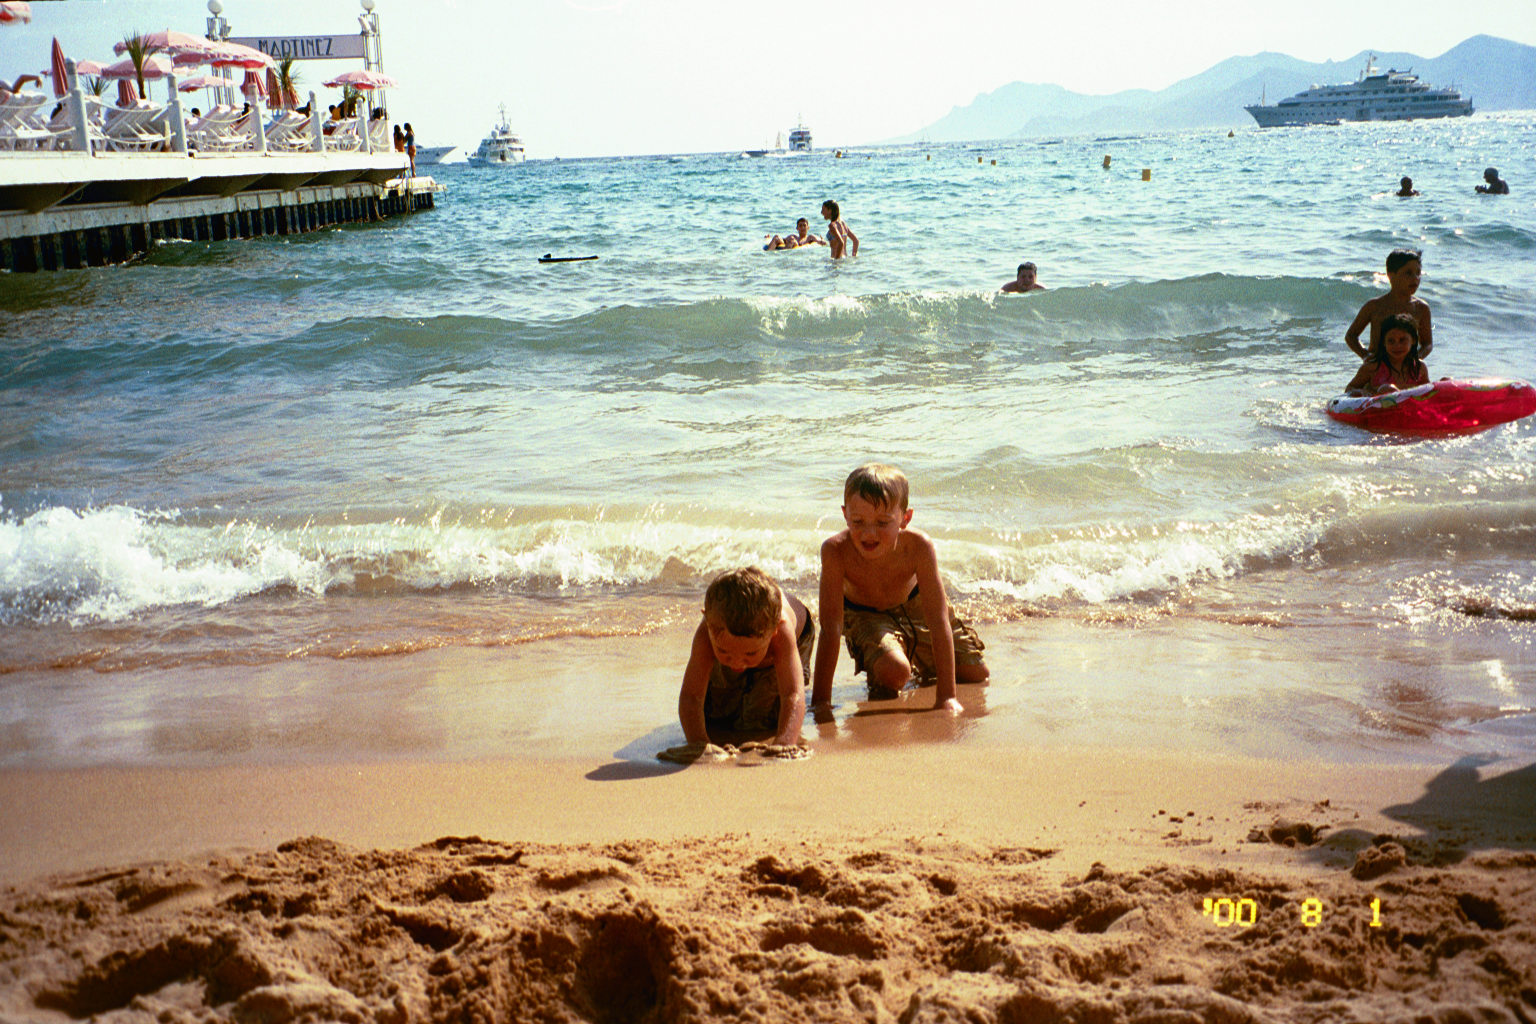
<point>800,139</point>
<point>500,147</point>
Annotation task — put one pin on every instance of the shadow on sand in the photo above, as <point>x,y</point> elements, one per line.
<point>1461,811</point>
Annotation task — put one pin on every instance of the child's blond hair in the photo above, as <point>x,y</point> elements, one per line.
<point>880,485</point>
<point>743,602</point>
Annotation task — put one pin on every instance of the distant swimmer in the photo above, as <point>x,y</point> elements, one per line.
<point>839,235</point>
<point>1025,281</point>
<point>1403,272</point>
<point>1496,186</point>
<point>802,236</point>
<point>1407,188</point>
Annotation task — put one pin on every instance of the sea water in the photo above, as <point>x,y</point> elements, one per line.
<point>271,456</point>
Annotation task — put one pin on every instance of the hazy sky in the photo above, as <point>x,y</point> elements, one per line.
<point>607,77</point>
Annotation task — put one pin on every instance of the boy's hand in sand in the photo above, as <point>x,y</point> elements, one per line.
<point>688,753</point>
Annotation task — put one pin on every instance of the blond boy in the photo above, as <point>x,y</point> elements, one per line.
<point>880,589</point>
<point>747,668</point>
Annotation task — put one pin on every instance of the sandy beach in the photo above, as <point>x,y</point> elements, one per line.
<point>913,872</point>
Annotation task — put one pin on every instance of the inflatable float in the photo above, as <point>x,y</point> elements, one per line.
<point>1444,407</point>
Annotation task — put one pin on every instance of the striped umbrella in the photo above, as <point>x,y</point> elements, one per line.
<point>274,94</point>
<point>255,85</point>
<point>127,95</point>
<point>60,71</point>
<point>14,10</point>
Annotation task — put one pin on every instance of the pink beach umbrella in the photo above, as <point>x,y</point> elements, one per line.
<point>89,67</point>
<point>363,79</point>
<point>255,85</point>
<point>197,82</point>
<point>155,66</point>
<point>60,72</point>
<point>127,95</point>
<point>238,55</point>
<point>14,10</point>
<point>183,48</point>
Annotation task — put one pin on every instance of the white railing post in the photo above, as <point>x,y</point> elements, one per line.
<point>362,128</point>
<point>259,126</point>
<point>178,119</point>
<point>82,132</point>
<point>315,127</point>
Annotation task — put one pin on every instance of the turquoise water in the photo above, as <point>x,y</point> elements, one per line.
<point>386,438</point>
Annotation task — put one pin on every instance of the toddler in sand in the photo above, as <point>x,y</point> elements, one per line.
<point>1403,271</point>
<point>746,671</point>
<point>880,589</point>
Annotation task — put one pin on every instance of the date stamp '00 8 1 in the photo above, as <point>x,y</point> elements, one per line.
<point>1225,912</point>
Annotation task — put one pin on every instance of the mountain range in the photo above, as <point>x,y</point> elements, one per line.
<point>1496,74</point>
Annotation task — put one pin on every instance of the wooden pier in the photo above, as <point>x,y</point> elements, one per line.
<point>61,210</point>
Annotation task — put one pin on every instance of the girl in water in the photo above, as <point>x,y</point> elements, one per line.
<point>1393,363</point>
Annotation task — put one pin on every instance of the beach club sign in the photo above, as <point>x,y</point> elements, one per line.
<point>306,47</point>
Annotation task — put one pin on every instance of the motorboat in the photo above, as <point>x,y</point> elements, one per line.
<point>1375,96</point>
<point>800,139</point>
<point>500,147</point>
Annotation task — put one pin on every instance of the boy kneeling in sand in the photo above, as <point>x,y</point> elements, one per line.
<point>747,669</point>
<point>880,589</point>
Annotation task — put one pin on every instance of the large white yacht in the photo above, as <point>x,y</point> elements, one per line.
<point>502,146</point>
<point>800,139</point>
<point>1375,96</point>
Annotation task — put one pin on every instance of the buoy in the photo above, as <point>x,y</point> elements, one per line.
<point>1229,134</point>
<point>930,156</point>
<point>980,159</point>
<point>1146,174</point>
<point>1106,161</point>
<point>994,163</point>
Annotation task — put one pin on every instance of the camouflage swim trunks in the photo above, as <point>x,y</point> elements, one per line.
<point>873,632</point>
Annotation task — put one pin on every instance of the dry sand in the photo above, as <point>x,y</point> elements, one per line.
<point>905,883</point>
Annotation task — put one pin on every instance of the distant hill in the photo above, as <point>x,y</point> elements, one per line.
<point>1496,74</point>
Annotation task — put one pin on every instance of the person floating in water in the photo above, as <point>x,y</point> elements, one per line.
<point>1496,186</point>
<point>1025,281</point>
<point>802,236</point>
<point>1403,271</point>
<point>839,235</point>
<point>1393,363</point>
<point>1406,188</point>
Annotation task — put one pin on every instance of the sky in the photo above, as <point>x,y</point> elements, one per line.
<point>619,77</point>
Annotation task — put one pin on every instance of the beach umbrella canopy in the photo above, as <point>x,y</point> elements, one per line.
<point>363,80</point>
<point>14,10</point>
<point>197,82</point>
<point>89,67</point>
<point>238,55</point>
<point>155,66</point>
<point>60,72</point>
<point>274,93</point>
<point>177,44</point>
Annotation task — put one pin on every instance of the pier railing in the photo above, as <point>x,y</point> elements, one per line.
<point>84,125</point>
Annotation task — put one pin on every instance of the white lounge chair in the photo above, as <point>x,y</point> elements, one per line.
<point>219,131</point>
<point>138,129</point>
<point>290,133</point>
<point>22,125</point>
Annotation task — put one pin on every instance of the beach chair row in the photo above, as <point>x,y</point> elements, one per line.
<point>147,128</point>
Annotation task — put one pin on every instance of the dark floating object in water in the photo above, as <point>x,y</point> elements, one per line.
<point>547,258</point>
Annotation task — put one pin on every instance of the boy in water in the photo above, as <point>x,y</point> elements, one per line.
<point>880,589</point>
<point>1025,282</point>
<point>839,235</point>
<point>1403,271</point>
<point>747,669</point>
<point>802,236</point>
